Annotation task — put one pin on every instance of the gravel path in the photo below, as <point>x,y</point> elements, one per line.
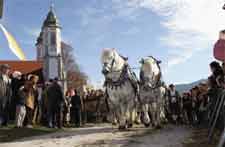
<point>106,136</point>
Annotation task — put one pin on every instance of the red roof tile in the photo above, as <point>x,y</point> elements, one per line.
<point>24,67</point>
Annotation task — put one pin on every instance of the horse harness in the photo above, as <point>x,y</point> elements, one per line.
<point>158,84</point>
<point>126,75</point>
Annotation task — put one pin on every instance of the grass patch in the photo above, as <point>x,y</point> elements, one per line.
<point>9,134</point>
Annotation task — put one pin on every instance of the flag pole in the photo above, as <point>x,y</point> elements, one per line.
<point>222,139</point>
<point>1,8</point>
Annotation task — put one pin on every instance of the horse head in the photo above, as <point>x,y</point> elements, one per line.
<point>112,62</point>
<point>150,70</point>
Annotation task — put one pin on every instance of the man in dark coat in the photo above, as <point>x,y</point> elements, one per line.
<point>5,94</point>
<point>76,108</point>
<point>55,104</point>
<point>187,108</point>
<point>174,102</point>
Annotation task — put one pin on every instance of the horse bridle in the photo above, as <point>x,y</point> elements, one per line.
<point>156,84</point>
<point>123,74</point>
<point>112,64</point>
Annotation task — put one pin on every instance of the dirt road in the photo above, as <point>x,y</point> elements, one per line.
<point>106,136</point>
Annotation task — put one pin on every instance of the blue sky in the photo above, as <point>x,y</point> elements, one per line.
<point>181,32</point>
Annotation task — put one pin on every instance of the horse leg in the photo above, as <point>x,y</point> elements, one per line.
<point>154,114</point>
<point>137,113</point>
<point>162,114</point>
<point>112,115</point>
<point>122,117</point>
<point>114,118</point>
<point>132,113</point>
<point>158,112</point>
<point>145,118</point>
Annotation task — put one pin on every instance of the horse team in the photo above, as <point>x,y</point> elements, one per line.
<point>131,99</point>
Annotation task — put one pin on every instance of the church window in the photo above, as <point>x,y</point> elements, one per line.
<point>53,38</point>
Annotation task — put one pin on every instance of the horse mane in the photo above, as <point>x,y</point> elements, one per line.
<point>124,58</point>
<point>157,61</point>
<point>106,51</point>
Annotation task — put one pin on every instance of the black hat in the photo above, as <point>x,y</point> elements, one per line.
<point>215,64</point>
<point>171,85</point>
<point>56,79</point>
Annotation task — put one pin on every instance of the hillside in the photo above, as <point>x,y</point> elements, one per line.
<point>185,87</point>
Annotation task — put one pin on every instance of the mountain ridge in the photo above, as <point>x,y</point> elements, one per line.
<point>186,87</point>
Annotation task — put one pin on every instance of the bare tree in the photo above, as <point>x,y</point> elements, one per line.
<point>75,77</point>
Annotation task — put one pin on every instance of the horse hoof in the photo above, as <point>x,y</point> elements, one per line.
<point>130,125</point>
<point>114,124</point>
<point>122,128</point>
<point>158,127</point>
<point>147,125</point>
<point>137,122</point>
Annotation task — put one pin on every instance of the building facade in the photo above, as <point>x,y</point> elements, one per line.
<point>49,49</point>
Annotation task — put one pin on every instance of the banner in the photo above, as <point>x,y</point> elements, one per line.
<point>219,47</point>
<point>13,45</point>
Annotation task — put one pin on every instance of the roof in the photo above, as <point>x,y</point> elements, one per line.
<point>39,39</point>
<point>24,67</point>
<point>51,20</point>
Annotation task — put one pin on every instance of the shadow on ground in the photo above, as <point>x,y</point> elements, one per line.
<point>119,141</point>
<point>199,139</point>
<point>138,136</point>
<point>11,134</point>
<point>146,138</point>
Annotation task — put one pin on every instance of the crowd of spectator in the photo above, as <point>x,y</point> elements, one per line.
<point>25,101</point>
<point>196,107</point>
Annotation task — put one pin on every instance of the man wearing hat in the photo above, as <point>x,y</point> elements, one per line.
<point>5,94</point>
<point>55,104</point>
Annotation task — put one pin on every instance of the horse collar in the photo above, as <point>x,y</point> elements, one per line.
<point>122,79</point>
<point>156,85</point>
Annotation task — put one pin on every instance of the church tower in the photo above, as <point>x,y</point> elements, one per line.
<point>49,48</point>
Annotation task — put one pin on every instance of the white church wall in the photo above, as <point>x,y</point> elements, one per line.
<point>58,41</point>
<point>53,68</point>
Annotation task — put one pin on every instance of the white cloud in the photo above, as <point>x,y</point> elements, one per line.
<point>126,8</point>
<point>93,16</point>
<point>192,25</point>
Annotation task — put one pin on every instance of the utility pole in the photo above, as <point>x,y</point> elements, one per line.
<point>1,8</point>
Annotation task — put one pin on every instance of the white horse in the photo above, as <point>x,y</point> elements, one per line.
<point>151,92</point>
<point>121,86</point>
